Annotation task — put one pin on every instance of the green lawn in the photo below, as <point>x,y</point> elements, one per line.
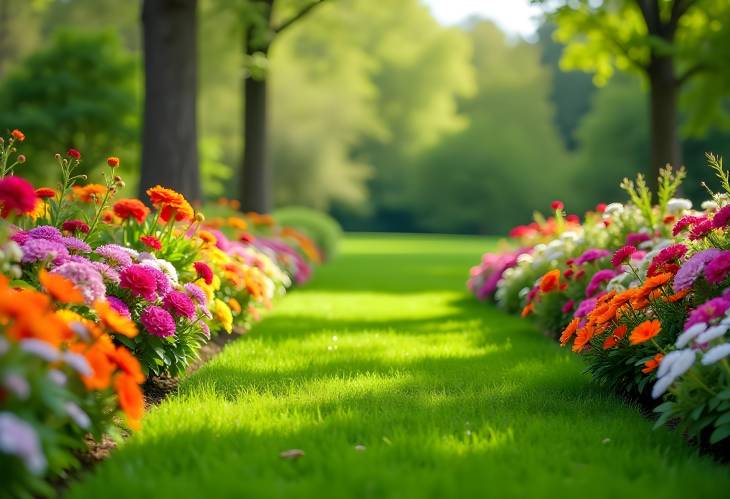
<point>450,398</point>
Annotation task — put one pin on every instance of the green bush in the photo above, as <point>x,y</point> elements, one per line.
<point>322,228</point>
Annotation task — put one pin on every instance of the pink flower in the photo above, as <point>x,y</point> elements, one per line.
<point>568,307</point>
<point>139,280</point>
<point>74,226</point>
<point>158,321</point>
<point>74,154</point>
<point>622,255</point>
<point>179,304</point>
<point>16,195</point>
<point>685,222</point>
<point>718,268</point>
<point>721,218</point>
<point>204,271</point>
<point>636,238</point>
<point>665,256</point>
<point>599,278</point>
<point>557,205</point>
<point>700,229</point>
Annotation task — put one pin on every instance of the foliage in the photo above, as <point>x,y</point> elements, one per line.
<point>321,228</point>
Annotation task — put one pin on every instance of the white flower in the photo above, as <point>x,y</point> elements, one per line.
<point>613,209</point>
<point>18,438</point>
<point>661,386</point>
<point>57,377</point>
<point>78,363</point>
<point>13,251</point>
<point>78,415</point>
<point>553,255</point>
<point>524,258</point>
<point>17,384</point>
<point>677,205</point>
<point>712,333</point>
<point>716,353</point>
<point>131,252</point>
<point>40,349</point>
<point>684,362</point>
<point>569,236</point>
<point>690,333</point>
<point>709,205</point>
<point>168,269</point>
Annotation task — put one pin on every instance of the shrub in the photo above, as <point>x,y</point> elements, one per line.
<point>322,228</point>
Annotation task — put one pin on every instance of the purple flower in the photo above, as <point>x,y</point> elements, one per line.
<point>196,293</point>
<point>119,306</point>
<point>599,278</point>
<point>108,273</point>
<point>204,328</point>
<point>76,244</point>
<point>72,258</point>
<point>158,321</point>
<point>115,255</point>
<point>585,307</point>
<point>692,268</point>
<point>85,277</point>
<point>140,280</point>
<point>592,254</point>
<point>709,310</point>
<point>721,218</point>
<point>717,269</point>
<point>20,237</point>
<point>36,250</point>
<point>179,304</point>
<point>46,232</point>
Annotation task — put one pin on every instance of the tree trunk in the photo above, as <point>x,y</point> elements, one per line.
<point>169,136</point>
<point>664,93</point>
<point>255,180</point>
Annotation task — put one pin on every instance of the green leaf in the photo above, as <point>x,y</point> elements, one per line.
<point>720,433</point>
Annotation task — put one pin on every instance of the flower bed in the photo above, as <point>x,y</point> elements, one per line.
<point>640,290</point>
<point>97,293</point>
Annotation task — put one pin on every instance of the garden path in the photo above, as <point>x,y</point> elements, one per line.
<point>395,383</point>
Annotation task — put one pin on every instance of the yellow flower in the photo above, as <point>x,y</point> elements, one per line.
<point>208,290</point>
<point>223,314</point>
<point>40,210</point>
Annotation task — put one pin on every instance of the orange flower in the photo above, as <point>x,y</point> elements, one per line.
<point>161,195</point>
<point>569,331</point>
<point>613,339</point>
<point>131,208</point>
<point>652,364</point>
<point>18,135</point>
<point>100,365</point>
<point>180,210</point>
<point>207,237</point>
<point>234,305</point>
<point>657,280</point>
<point>550,281</point>
<point>114,321</point>
<point>130,399</point>
<point>237,223</point>
<point>90,193</point>
<point>582,338</point>
<point>527,310</point>
<point>678,295</point>
<point>60,288</point>
<point>645,331</point>
<point>128,363</point>
<point>108,217</point>
<point>112,161</point>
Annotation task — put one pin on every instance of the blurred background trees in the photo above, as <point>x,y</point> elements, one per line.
<point>377,112</point>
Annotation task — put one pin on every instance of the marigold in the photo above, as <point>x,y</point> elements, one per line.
<point>114,321</point>
<point>130,399</point>
<point>582,338</point>
<point>128,363</point>
<point>131,208</point>
<point>652,364</point>
<point>613,339</point>
<point>180,211</point>
<point>550,281</point>
<point>525,311</point>
<point>112,161</point>
<point>658,280</point>
<point>102,368</point>
<point>234,305</point>
<point>207,237</point>
<point>645,331</point>
<point>18,135</point>
<point>59,288</point>
<point>162,195</point>
<point>569,331</point>
<point>89,193</point>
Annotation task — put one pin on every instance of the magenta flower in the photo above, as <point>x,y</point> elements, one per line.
<point>599,278</point>
<point>622,255</point>
<point>636,238</point>
<point>204,272</point>
<point>721,218</point>
<point>119,306</point>
<point>568,306</point>
<point>591,255</point>
<point>707,311</point>
<point>585,307</point>
<point>692,268</point>
<point>685,222</point>
<point>700,229</point>
<point>717,269</point>
<point>158,321</point>
<point>139,280</point>
<point>179,304</point>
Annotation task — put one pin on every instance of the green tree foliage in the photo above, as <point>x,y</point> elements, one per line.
<point>509,160</point>
<point>79,92</point>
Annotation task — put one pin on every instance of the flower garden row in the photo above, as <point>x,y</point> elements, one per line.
<point>640,290</point>
<point>98,293</point>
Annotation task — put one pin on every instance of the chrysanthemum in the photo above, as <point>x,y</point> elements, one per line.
<point>721,218</point>
<point>205,272</point>
<point>179,304</point>
<point>74,226</point>
<point>591,255</point>
<point>622,255</point>
<point>140,280</point>
<point>692,269</point>
<point>131,208</point>
<point>75,245</point>
<point>45,232</point>
<point>717,269</point>
<point>16,196</point>
<point>86,278</point>
<point>36,250</point>
<point>114,255</point>
<point>645,331</point>
<point>158,321</point>
<point>118,305</point>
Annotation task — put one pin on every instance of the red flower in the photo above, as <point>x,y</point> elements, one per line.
<point>112,161</point>
<point>573,219</point>
<point>16,195</point>
<point>131,208</point>
<point>204,271</point>
<point>622,255</point>
<point>601,207</point>
<point>45,192</point>
<point>151,242</point>
<point>73,153</point>
<point>557,205</point>
<point>246,238</point>
<point>18,135</point>
<point>74,226</point>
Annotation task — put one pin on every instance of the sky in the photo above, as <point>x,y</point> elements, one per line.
<point>513,16</point>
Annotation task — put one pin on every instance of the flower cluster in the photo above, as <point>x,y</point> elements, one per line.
<point>642,292</point>
<point>99,293</point>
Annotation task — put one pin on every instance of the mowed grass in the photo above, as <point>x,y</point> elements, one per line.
<point>449,397</point>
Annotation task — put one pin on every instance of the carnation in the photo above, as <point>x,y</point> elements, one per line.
<point>85,277</point>
<point>685,222</point>
<point>700,229</point>
<point>158,321</point>
<point>162,282</point>
<point>717,269</point>
<point>74,226</point>
<point>204,271</point>
<point>621,255</point>
<point>179,304</point>
<point>592,254</point>
<point>140,280</point>
<point>16,195</point>
<point>721,218</point>
<point>115,255</point>
<point>636,238</point>
<point>36,250</point>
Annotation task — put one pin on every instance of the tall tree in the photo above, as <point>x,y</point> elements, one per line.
<point>670,43</point>
<point>259,32</point>
<point>169,136</point>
